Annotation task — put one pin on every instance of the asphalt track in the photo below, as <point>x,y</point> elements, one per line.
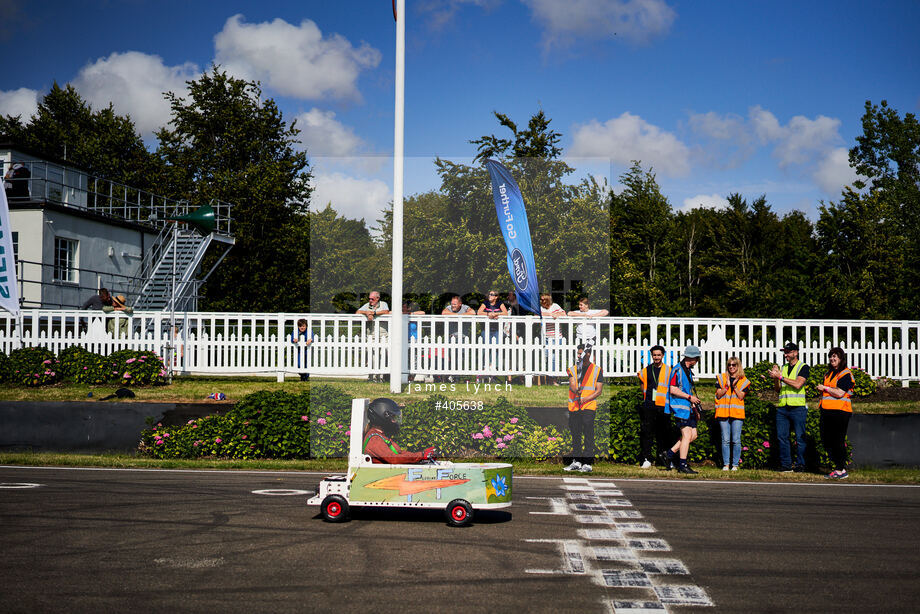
<point>91,540</point>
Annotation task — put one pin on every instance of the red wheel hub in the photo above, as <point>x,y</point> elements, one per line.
<point>459,513</point>
<point>334,509</point>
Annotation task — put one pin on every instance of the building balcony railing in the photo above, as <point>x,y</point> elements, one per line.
<point>348,345</point>
<point>63,185</point>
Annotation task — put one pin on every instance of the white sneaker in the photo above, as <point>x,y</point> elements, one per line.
<point>574,466</point>
<point>646,464</point>
<point>724,467</point>
<point>735,468</point>
<point>586,468</point>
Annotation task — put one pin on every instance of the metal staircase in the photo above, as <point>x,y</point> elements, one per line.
<point>153,285</point>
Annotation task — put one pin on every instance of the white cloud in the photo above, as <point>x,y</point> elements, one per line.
<point>834,172</point>
<point>322,135</point>
<point>704,201</point>
<point>350,196</point>
<point>715,126</point>
<point>295,61</point>
<point>134,83</point>
<point>565,22</point>
<point>799,141</point>
<point>629,137</point>
<point>440,12</point>
<point>22,102</point>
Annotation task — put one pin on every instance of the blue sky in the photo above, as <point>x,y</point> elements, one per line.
<point>717,96</point>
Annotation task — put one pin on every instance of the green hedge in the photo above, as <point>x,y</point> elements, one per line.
<point>262,425</point>
<point>759,444</point>
<point>38,366</point>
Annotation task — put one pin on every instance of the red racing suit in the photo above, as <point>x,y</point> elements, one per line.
<point>382,449</point>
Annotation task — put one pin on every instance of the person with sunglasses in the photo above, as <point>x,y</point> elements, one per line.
<point>493,308</point>
<point>730,393</point>
<point>791,410</point>
<point>836,410</point>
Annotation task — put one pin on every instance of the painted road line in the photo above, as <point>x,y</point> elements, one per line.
<point>282,492</point>
<point>617,514</point>
<point>557,506</point>
<point>575,480</point>
<point>18,485</point>
<point>614,553</point>
<point>588,507</point>
<point>664,567</point>
<point>572,553</point>
<point>635,527</point>
<point>653,545</point>
<point>615,578</point>
<point>601,535</point>
<point>637,607</point>
<point>683,595</point>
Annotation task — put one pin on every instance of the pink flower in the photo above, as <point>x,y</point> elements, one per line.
<point>744,448</point>
<point>514,421</point>
<point>144,356</point>
<point>477,436</point>
<point>247,422</point>
<point>85,368</point>
<point>195,444</point>
<point>190,422</point>
<point>130,360</point>
<point>348,432</point>
<point>304,418</point>
<point>507,438</point>
<point>217,440</point>
<point>500,446</point>
<point>321,421</point>
<point>766,444</point>
<point>498,440</point>
<point>126,375</point>
<point>328,413</point>
<point>47,362</point>
<point>244,437</point>
<point>194,426</point>
<point>165,434</point>
<point>487,431</point>
<point>159,442</point>
<point>47,372</point>
<point>162,372</point>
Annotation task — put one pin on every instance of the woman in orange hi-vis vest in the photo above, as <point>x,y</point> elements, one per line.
<point>732,388</point>
<point>836,410</point>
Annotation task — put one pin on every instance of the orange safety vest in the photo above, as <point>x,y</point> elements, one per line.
<point>660,394</point>
<point>829,402</point>
<point>587,384</point>
<point>730,406</point>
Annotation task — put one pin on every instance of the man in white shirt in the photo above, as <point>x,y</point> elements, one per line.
<point>373,308</point>
<point>587,333</point>
<point>551,310</point>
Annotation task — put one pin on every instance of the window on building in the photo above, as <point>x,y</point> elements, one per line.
<point>65,260</point>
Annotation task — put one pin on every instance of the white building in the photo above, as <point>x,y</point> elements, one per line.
<point>74,233</point>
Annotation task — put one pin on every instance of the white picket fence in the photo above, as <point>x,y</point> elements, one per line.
<point>347,345</point>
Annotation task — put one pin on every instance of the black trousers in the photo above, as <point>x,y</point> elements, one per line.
<point>581,424</point>
<point>649,430</point>
<point>834,423</point>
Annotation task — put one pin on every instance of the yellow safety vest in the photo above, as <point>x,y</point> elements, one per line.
<point>789,396</point>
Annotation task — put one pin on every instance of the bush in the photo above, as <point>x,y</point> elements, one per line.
<point>132,368</point>
<point>6,368</point>
<point>81,366</point>
<point>759,377</point>
<point>35,366</point>
<point>262,425</point>
<point>329,422</point>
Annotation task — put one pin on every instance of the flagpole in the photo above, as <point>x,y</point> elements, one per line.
<point>397,334</point>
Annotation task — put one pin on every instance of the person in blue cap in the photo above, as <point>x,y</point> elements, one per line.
<point>684,404</point>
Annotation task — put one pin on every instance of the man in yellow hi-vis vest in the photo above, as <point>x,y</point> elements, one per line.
<point>585,385</point>
<point>791,410</point>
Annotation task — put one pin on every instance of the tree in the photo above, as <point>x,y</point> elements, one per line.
<point>342,253</point>
<point>225,142</point>
<point>103,143</point>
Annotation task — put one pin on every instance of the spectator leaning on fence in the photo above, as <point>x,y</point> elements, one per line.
<point>653,394</point>
<point>684,404</point>
<point>791,410</point>
<point>550,311</point>
<point>587,333</point>
<point>836,410</point>
<point>730,392</point>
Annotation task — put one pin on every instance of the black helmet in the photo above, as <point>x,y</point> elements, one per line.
<point>385,414</point>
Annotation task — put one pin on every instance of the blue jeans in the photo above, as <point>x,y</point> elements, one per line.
<point>794,417</point>
<point>731,440</point>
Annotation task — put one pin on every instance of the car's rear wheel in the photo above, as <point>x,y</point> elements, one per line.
<point>334,508</point>
<point>459,513</point>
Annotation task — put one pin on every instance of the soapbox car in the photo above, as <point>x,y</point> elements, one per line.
<point>457,488</point>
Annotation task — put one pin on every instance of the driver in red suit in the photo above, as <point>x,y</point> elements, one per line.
<point>383,419</point>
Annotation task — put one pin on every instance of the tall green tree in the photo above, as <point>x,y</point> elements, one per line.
<point>65,128</point>
<point>225,142</point>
